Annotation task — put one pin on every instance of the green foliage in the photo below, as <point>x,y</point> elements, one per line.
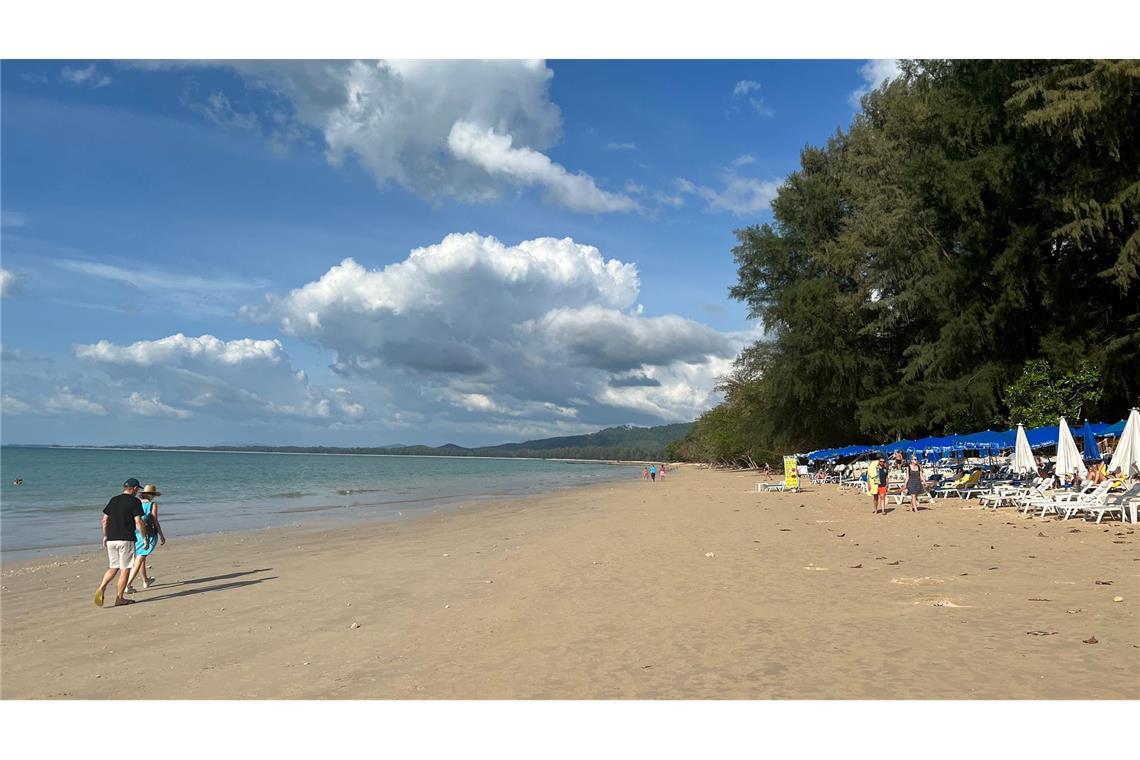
<point>976,215</point>
<point>1041,394</point>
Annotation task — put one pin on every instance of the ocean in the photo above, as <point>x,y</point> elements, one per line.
<point>58,507</point>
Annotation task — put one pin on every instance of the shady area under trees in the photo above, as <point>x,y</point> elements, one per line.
<point>964,256</point>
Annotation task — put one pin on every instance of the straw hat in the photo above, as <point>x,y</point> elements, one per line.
<point>150,490</point>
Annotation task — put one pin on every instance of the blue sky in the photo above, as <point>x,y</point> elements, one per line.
<point>176,237</point>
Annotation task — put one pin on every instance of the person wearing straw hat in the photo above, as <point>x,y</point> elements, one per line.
<point>122,519</point>
<point>147,540</point>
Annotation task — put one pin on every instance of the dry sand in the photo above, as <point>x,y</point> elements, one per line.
<point>697,587</point>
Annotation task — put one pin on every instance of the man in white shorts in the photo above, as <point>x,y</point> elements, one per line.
<point>122,516</point>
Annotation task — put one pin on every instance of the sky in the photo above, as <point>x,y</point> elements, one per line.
<point>368,253</point>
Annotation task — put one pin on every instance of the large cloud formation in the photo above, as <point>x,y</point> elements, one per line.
<point>452,128</point>
<point>473,328</point>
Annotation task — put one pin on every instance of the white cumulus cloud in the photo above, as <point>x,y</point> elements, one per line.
<point>495,153</point>
<point>398,118</point>
<point>474,331</point>
<point>66,401</point>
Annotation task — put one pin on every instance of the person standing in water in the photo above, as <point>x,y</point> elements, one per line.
<point>146,542</point>
<point>653,472</point>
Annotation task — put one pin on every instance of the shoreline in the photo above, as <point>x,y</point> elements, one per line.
<point>695,588</point>
<point>341,514</point>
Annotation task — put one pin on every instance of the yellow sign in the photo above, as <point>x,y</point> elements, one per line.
<point>791,474</point>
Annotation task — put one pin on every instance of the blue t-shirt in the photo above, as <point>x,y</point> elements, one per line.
<point>652,470</point>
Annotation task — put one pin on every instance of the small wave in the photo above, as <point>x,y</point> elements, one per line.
<point>351,491</point>
<point>288,495</point>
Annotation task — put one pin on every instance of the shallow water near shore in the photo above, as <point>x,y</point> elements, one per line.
<point>58,506</point>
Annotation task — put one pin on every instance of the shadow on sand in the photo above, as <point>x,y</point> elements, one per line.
<point>205,589</point>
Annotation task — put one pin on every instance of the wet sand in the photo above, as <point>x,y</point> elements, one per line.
<point>694,588</point>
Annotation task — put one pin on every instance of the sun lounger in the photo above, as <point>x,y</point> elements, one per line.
<point>1116,503</point>
<point>963,489</point>
<point>904,498</point>
<point>1070,503</point>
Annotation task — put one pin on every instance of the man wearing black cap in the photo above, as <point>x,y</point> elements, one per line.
<point>122,516</point>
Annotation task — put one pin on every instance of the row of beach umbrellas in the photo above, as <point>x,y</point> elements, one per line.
<point>1022,442</point>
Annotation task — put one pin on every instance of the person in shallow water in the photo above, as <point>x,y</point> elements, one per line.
<point>146,542</point>
<point>653,472</point>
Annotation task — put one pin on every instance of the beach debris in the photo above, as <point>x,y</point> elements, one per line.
<point>880,557</point>
<point>1075,612</point>
<point>992,568</point>
<point>1104,583</point>
<point>1119,542</point>
<point>1074,530</point>
<point>1090,640</point>
<point>857,567</point>
<point>1039,599</point>
<point>991,546</point>
<point>896,562</point>
<point>646,667</point>
<point>446,555</point>
<point>1118,599</point>
<point>1041,633</point>
<point>943,603</point>
<point>305,663</point>
<point>710,554</point>
<point>354,625</point>
<point>841,535</point>
<point>785,530</point>
<point>1040,534</point>
<point>961,574</point>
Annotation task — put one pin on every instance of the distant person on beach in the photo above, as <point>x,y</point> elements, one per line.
<point>661,471</point>
<point>884,473</point>
<point>145,543</point>
<point>914,484</point>
<point>645,473</point>
<point>653,472</point>
<point>872,477</point>
<point>122,518</point>
<point>767,471</point>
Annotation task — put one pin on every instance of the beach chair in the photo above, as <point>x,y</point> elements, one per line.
<point>1006,495</point>
<point>1024,501</point>
<point>1070,503</point>
<point>966,488</point>
<point>1114,503</point>
<point>942,489</point>
<point>903,498</point>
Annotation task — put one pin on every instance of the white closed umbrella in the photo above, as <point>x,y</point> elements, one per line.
<point>1127,454</point>
<point>1069,459</point>
<point>1022,460</point>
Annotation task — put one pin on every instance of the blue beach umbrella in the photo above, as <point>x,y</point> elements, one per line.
<point>1091,453</point>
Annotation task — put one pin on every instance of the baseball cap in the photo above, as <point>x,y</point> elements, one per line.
<point>132,483</point>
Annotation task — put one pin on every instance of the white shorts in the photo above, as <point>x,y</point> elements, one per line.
<point>121,554</point>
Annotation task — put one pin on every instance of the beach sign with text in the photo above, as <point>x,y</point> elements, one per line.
<point>791,474</point>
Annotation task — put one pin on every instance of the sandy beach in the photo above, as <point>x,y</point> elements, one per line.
<point>694,588</point>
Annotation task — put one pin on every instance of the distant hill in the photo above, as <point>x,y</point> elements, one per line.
<point>625,442</point>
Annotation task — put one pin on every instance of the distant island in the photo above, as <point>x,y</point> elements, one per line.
<point>625,442</point>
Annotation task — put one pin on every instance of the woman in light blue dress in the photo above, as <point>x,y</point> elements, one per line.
<point>145,544</point>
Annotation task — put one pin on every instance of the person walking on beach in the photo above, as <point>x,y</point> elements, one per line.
<point>914,482</point>
<point>645,473</point>
<point>122,517</point>
<point>145,543</point>
<point>653,472</point>
<point>661,471</point>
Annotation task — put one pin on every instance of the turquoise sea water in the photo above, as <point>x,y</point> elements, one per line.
<point>59,505</point>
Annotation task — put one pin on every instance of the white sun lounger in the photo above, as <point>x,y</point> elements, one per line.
<point>1116,503</point>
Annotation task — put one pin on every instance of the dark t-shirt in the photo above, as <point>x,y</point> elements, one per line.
<point>121,512</point>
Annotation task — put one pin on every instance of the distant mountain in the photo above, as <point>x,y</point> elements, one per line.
<point>626,443</point>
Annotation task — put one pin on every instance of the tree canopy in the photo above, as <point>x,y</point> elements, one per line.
<point>976,216</point>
